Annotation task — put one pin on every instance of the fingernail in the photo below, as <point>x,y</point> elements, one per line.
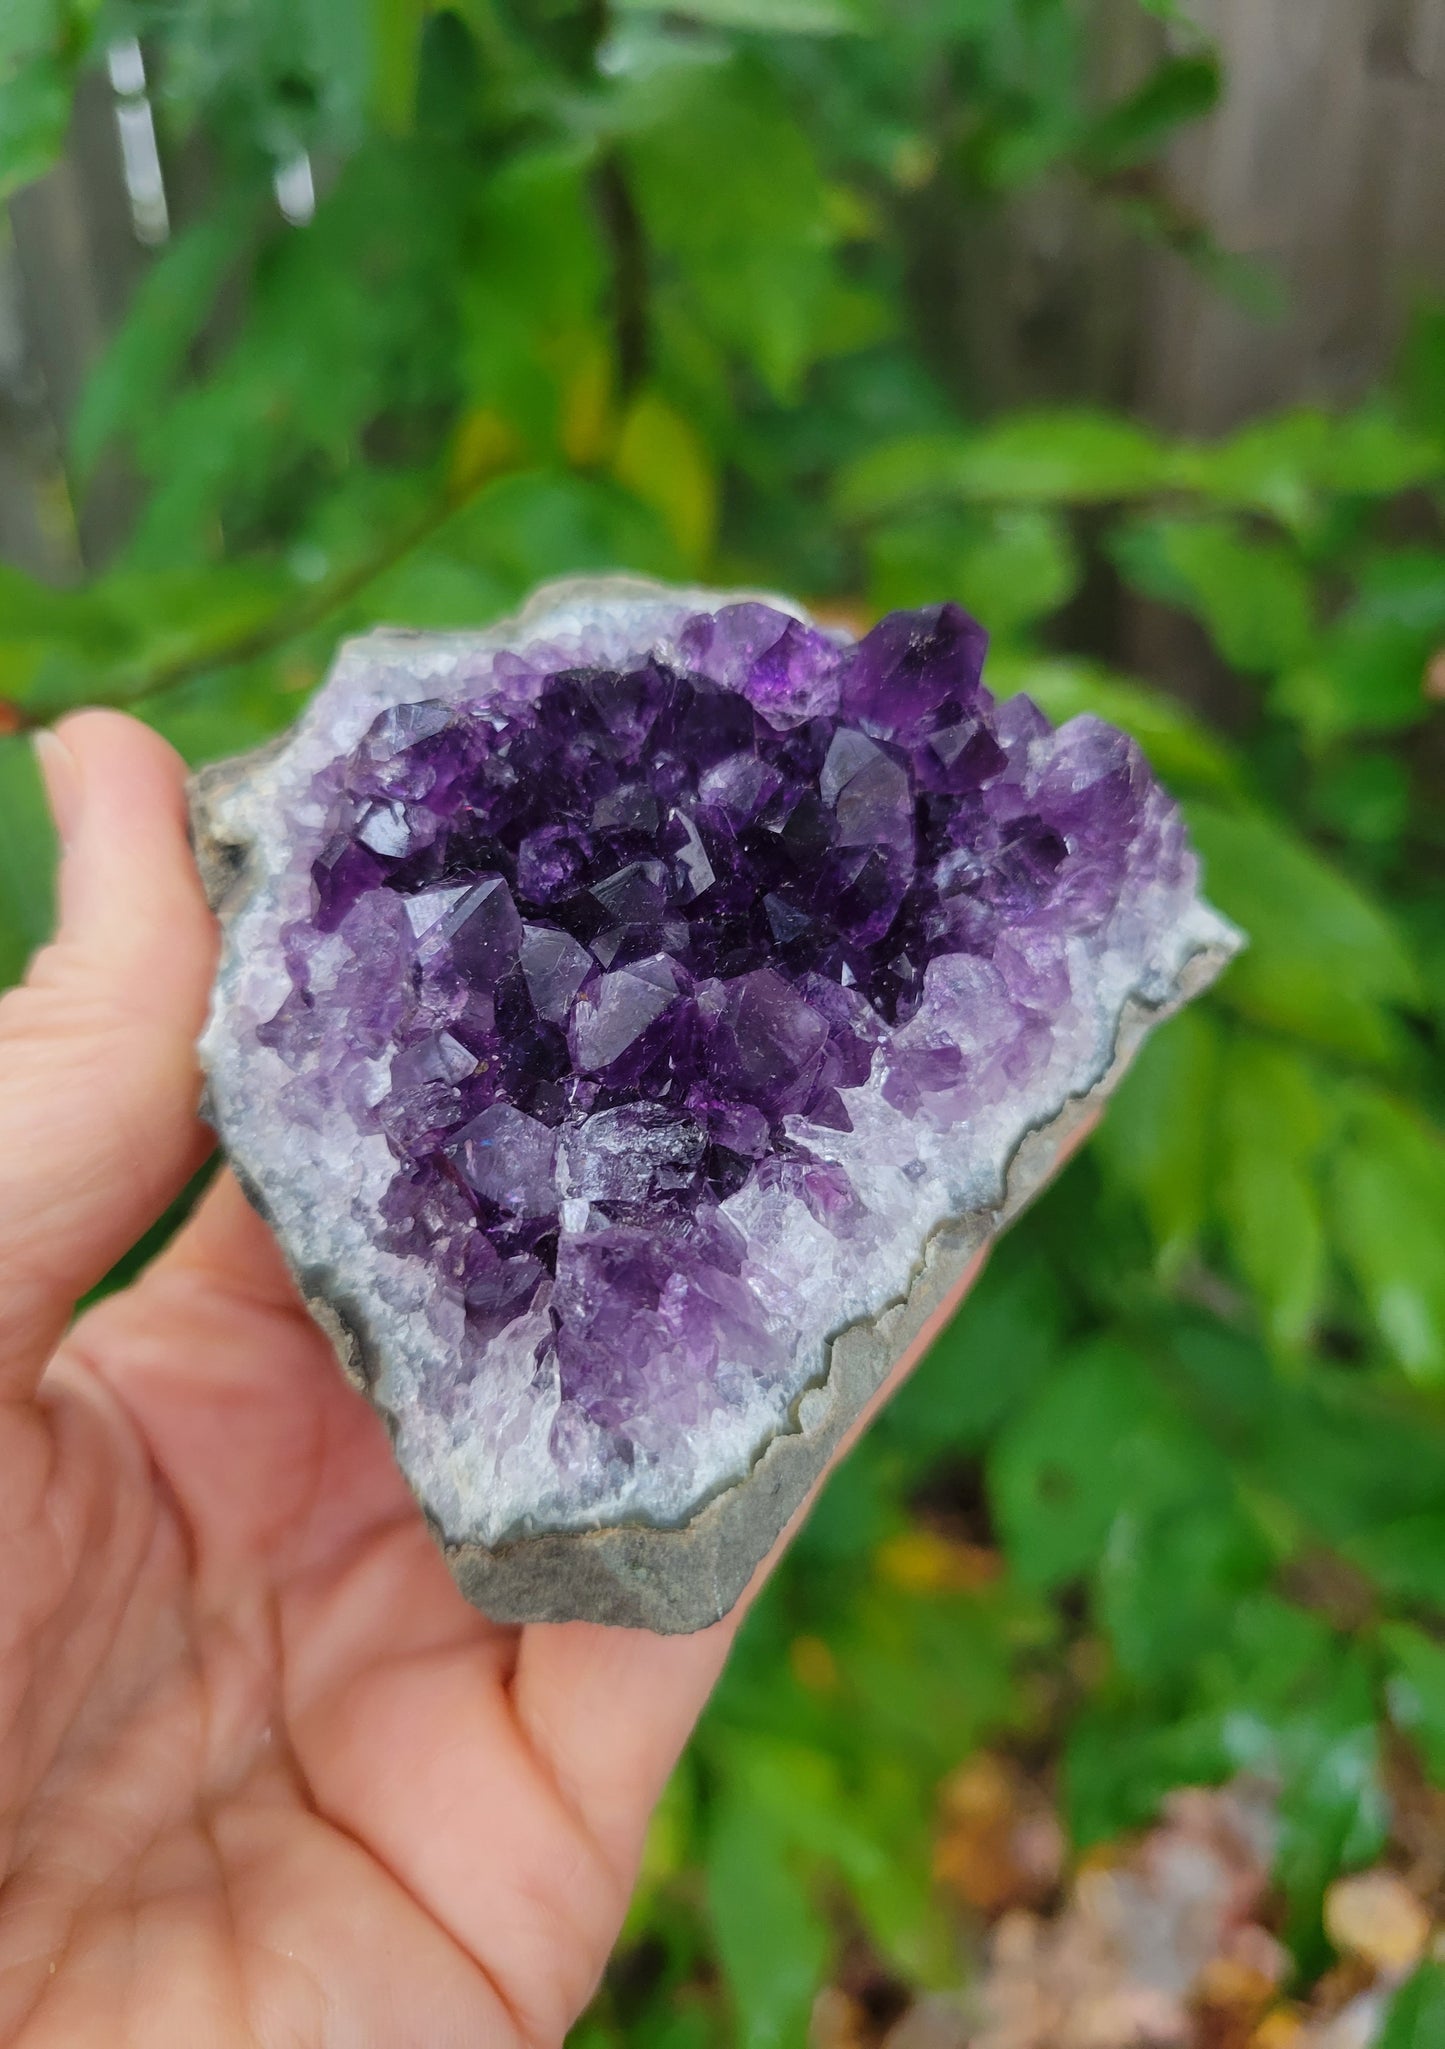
<point>61,777</point>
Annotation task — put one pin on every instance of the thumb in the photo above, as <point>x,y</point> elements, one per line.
<point>98,1080</point>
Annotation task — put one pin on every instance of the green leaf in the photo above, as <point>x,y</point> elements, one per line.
<point>26,28</point>
<point>1158,1136</point>
<point>231,710</point>
<point>531,291</point>
<point>774,17</point>
<point>34,118</point>
<point>1277,1696</point>
<point>1010,567</point>
<point>431,588</point>
<point>1348,1456</point>
<point>1065,457</point>
<point>396,31</point>
<point>1094,1437</point>
<point>852,1515</point>
<point>1282,464</point>
<point>772,1943</point>
<point>1181,90</point>
<point>930,1675</point>
<point>733,200</point>
<point>191,616</point>
<point>1416,2019</point>
<point>1251,593</point>
<point>27,859</point>
<point>1364,796</point>
<point>356,320</point>
<point>1122,1758</point>
<point>1422,371</point>
<point>993,1355</point>
<point>1324,962</point>
<point>39,612</point>
<point>539,523</point>
<point>1369,676</point>
<point>1299,1708</point>
<point>1389,1190</point>
<point>1416,1690</point>
<point>1173,1573</point>
<point>138,631</point>
<point>801,1790</point>
<point>662,459</point>
<point>1273,1119</point>
<point>1185,753</point>
<point>1406,1557</point>
<point>169,306</point>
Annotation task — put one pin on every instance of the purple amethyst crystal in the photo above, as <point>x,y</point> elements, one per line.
<point>614,1008</point>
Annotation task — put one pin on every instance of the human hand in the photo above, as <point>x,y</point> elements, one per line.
<point>265,1778</point>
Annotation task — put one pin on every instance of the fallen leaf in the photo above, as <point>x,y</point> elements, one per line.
<point>1002,1844</point>
<point>1281,2029</point>
<point>838,2021</point>
<point>1230,1983</point>
<point>813,1663</point>
<point>1374,1915</point>
<point>923,1562</point>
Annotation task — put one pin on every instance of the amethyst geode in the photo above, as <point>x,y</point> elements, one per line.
<point>631,1020</point>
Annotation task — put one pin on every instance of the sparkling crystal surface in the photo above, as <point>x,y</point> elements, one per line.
<point>617,1007</point>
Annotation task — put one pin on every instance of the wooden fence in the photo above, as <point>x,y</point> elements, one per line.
<point>1325,165</point>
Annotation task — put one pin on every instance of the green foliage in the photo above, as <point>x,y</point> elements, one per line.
<point>1251,592</point>
<point>1273,1118</point>
<point>1072,458</point>
<point>772,1943</point>
<point>1417,2013</point>
<point>40,41</point>
<point>641,287</point>
<point>26,854</point>
<point>1390,1187</point>
<point>1182,89</point>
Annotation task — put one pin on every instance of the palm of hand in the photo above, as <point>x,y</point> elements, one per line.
<point>264,1776</point>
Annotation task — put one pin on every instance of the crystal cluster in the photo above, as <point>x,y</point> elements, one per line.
<point>615,1007</point>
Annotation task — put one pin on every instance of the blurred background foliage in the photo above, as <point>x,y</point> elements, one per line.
<point>677,288</point>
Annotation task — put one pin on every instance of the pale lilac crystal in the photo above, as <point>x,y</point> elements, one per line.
<point>650,961</point>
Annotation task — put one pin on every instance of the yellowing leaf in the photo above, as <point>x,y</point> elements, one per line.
<point>485,445</point>
<point>922,1561</point>
<point>662,460</point>
<point>586,423</point>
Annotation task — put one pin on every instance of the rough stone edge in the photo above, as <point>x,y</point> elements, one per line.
<point>675,1581</point>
